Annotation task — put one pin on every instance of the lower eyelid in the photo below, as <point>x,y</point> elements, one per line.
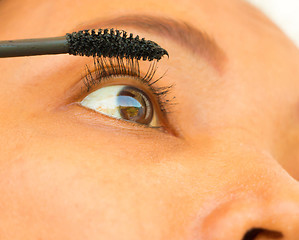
<point>81,115</point>
<point>95,119</point>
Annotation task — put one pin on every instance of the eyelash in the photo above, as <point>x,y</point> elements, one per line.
<point>105,68</point>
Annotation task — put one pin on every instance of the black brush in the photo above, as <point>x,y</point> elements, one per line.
<point>96,43</point>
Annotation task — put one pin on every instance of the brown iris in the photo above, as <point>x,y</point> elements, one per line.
<point>134,105</point>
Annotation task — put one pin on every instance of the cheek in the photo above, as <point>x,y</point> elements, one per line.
<point>77,198</point>
<point>52,198</point>
<point>58,198</point>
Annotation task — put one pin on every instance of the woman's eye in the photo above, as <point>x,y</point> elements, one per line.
<point>123,102</point>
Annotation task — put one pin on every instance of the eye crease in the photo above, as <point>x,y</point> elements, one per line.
<point>117,88</point>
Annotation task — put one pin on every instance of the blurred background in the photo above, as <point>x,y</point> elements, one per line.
<point>285,13</point>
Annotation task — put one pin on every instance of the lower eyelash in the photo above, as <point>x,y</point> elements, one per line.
<point>105,68</point>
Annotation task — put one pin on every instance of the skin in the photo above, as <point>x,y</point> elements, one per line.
<point>67,172</point>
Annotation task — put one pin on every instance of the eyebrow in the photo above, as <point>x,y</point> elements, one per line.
<point>195,41</point>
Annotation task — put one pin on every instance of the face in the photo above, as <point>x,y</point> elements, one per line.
<point>221,162</point>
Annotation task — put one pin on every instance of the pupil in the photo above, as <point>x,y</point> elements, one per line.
<point>134,105</point>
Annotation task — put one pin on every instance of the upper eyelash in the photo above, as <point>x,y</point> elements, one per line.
<point>108,67</point>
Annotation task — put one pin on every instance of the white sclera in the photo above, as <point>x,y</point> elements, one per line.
<point>104,100</point>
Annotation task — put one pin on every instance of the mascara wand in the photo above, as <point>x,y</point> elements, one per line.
<point>96,43</point>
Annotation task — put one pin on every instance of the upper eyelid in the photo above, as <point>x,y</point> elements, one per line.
<point>106,67</point>
<point>112,68</point>
<point>125,66</point>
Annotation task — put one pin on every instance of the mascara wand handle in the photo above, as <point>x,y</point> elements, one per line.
<point>30,47</point>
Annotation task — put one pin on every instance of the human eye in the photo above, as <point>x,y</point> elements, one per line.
<point>122,89</point>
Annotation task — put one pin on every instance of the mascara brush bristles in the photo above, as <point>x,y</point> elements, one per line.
<point>96,43</point>
<point>113,43</point>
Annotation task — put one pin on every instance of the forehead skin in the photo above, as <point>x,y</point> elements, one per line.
<point>66,173</point>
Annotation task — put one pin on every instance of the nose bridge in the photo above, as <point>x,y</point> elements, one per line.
<point>264,203</point>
